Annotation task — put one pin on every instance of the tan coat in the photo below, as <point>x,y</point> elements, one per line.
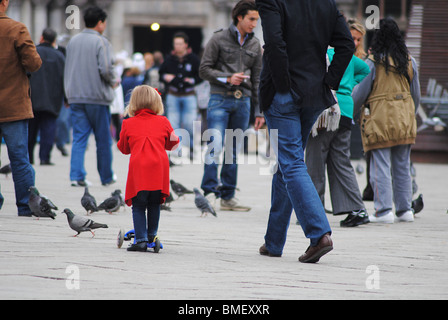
<point>388,116</point>
<point>18,56</point>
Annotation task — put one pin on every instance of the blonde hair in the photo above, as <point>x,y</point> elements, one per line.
<point>356,25</point>
<point>144,97</point>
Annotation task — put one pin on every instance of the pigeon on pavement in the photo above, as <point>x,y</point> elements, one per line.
<point>88,202</point>
<point>203,204</point>
<point>113,203</point>
<point>82,223</point>
<point>179,189</point>
<point>40,205</point>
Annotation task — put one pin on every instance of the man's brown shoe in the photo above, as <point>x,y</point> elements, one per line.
<point>265,252</point>
<point>313,254</point>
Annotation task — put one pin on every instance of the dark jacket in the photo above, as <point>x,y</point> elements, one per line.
<point>187,67</point>
<point>297,35</point>
<point>47,84</point>
<point>224,56</point>
<point>18,56</point>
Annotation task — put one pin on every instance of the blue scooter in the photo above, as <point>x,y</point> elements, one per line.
<point>156,244</point>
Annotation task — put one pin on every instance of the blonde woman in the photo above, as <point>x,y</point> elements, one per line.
<point>358,32</point>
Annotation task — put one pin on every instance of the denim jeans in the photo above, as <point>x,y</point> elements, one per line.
<point>146,202</point>
<point>292,187</point>
<point>182,112</point>
<point>85,119</point>
<point>63,125</point>
<point>223,112</point>
<point>16,138</point>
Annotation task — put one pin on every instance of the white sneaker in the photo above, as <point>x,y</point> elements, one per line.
<point>211,197</point>
<point>408,216</point>
<point>387,218</point>
<point>233,205</point>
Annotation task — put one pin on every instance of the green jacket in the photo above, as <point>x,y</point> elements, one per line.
<point>356,71</point>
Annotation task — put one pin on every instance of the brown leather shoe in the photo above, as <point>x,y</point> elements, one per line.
<point>264,252</point>
<point>313,254</point>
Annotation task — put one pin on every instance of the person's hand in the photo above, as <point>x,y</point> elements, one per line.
<point>237,78</point>
<point>168,77</point>
<point>259,122</point>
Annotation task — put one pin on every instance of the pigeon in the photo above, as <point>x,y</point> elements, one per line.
<point>417,204</point>
<point>169,199</point>
<point>6,169</point>
<point>81,223</point>
<point>179,189</point>
<point>203,204</point>
<point>113,203</point>
<point>88,202</point>
<point>40,205</point>
<point>163,206</point>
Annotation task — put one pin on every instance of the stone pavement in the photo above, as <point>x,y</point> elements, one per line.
<point>216,258</point>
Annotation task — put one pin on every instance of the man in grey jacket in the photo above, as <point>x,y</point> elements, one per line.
<point>232,64</point>
<point>89,80</point>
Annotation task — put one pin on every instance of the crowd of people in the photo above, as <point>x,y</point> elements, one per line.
<point>304,85</point>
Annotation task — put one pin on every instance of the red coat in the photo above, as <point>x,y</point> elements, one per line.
<point>146,136</point>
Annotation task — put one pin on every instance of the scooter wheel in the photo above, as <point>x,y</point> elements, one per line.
<point>157,245</point>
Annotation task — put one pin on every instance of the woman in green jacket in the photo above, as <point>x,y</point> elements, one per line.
<point>332,148</point>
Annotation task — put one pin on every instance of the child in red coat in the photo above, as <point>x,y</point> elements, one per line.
<point>145,136</point>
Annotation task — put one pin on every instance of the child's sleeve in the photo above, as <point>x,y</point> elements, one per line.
<point>123,144</point>
<point>172,140</point>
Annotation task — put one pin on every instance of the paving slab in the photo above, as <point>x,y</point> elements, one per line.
<point>216,258</point>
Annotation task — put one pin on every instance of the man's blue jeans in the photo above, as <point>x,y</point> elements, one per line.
<point>146,215</point>
<point>292,187</point>
<point>16,138</point>
<point>223,112</point>
<point>85,119</point>
<point>182,112</point>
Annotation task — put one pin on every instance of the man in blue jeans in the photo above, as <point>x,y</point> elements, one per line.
<point>232,64</point>
<point>18,56</point>
<point>89,80</point>
<point>294,90</point>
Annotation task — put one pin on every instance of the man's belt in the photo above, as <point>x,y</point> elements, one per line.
<point>238,94</point>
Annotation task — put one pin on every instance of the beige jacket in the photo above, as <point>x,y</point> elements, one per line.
<point>388,116</point>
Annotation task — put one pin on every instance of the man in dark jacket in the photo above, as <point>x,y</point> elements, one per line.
<point>180,73</point>
<point>47,95</point>
<point>232,64</point>
<point>294,90</point>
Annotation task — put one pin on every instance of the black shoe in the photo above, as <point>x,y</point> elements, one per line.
<point>63,151</point>
<point>355,219</point>
<point>46,163</point>
<point>141,246</point>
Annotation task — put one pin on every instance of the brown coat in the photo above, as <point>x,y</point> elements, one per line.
<point>18,55</point>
